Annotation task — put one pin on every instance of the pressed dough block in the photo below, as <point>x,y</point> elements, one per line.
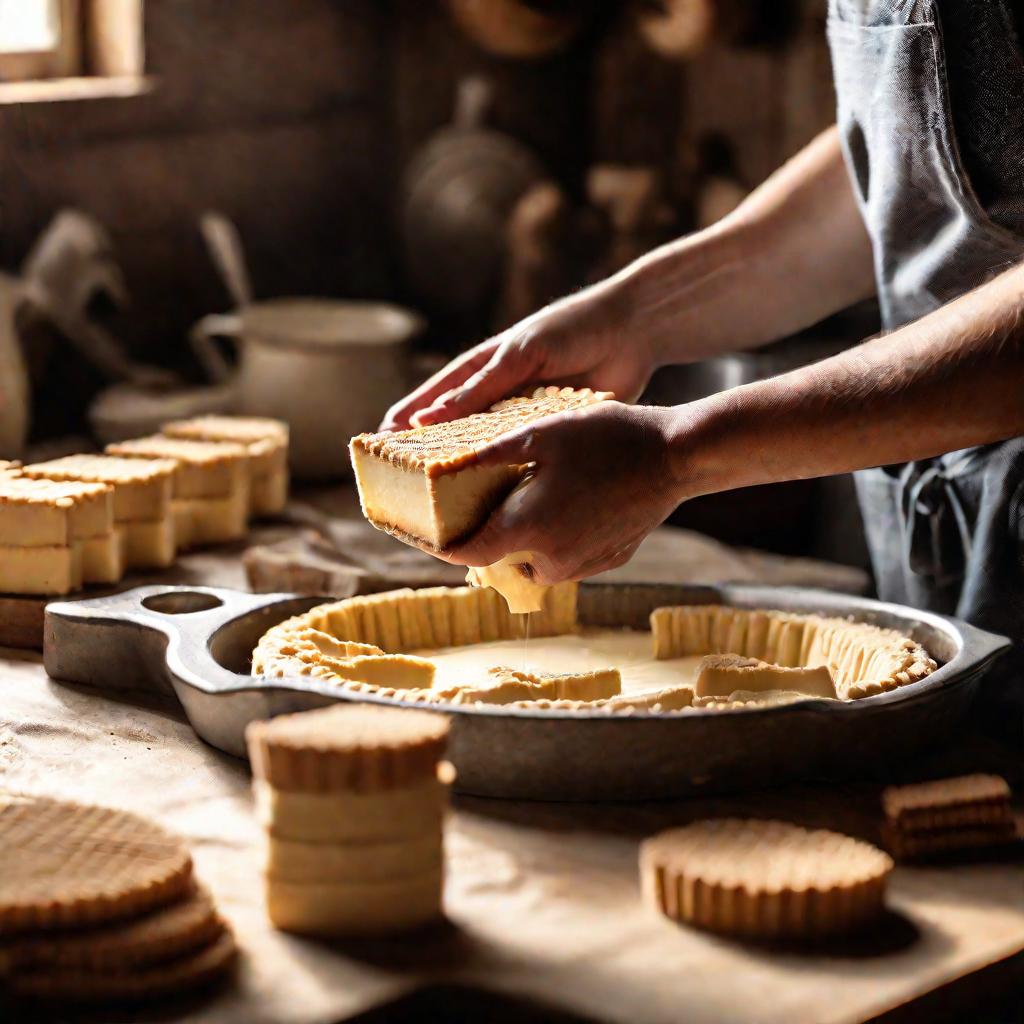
<point>361,908</point>
<point>200,521</point>
<point>511,686</point>
<point>268,494</point>
<point>387,816</point>
<point>103,558</point>
<point>291,861</point>
<point>205,469</point>
<point>422,486</point>
<point>47,513</point>
<point>142,488</point>
<point>49,570</point>
<point>149,545</point>
<point>267,443</point>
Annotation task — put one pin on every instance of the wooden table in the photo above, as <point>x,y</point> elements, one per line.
<point>542,899</point>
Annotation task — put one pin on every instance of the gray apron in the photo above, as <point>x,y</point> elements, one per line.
<point>945,534</point>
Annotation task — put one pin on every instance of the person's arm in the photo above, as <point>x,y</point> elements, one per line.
<point>605,477</point>
<point>792,253</point>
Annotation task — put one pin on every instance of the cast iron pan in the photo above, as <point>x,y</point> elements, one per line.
<point>195,642</point>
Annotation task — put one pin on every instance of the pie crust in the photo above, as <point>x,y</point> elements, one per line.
<point>751,657</point>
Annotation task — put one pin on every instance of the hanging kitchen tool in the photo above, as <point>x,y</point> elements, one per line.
<point>681,29</point>
<point>458,192</point>
<point>639,216</point>
<point>14,389</point>
<point>225,245</point>
<point>523,29</point>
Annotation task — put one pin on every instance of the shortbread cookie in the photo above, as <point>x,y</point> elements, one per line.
<point>67,864</point>
<point>947,815</point>
<point>380,816</point>
<point>722,674</point>
<point>967,800</point>
<point>356,908</point>
<point>764,879</point>
<point>908,845</point>
<point>304,862</point>
<point>358,747</point>
<point>171,931</point>
<point>181,975</point>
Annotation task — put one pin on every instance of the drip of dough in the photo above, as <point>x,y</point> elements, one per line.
<point>512,577</point>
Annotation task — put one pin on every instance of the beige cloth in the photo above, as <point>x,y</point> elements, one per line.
<point>542,899</point>
<point>337,552</point>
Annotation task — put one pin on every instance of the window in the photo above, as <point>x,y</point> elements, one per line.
<point>60,49</point>
<point>39,39</point>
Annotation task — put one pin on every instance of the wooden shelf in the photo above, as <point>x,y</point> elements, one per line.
<point>63,90</point>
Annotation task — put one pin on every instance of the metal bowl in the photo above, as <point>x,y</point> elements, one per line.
<point>196,643</point>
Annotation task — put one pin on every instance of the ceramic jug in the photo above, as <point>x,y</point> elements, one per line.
<point>329,368</point>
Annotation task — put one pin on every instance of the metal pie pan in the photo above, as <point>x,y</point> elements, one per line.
<point>196,642</point>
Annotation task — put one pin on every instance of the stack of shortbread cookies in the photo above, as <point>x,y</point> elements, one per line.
<point>353,799</point>
<point>89,518</point>
<point>946,816</point>
<point>100,905</point>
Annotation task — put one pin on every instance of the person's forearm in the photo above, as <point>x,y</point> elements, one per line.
<point>794,252</point>
<point>951,380</point>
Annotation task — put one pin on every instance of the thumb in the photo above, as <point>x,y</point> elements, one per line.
<point>516,448</point>
<point>507,371</point>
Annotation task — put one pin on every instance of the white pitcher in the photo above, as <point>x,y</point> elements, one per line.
<point>329,368</point>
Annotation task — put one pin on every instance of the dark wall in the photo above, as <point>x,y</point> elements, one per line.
<point>295,118</point>
<point>272,111</point>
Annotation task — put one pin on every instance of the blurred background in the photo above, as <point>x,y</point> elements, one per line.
<point>419,173</point>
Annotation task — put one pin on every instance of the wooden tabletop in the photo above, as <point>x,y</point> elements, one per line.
<point>542,900</point>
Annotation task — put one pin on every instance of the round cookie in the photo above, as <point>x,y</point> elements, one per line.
<point>764,879</point>
<point>163,934</point>
<point>175,977</point>
<point>358,748</point>
<point>68,864</point>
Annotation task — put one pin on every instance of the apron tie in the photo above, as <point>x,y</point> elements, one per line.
<point>937,535</point>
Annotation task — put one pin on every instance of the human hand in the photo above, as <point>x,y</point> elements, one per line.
<point>583,341</point>
<point>601,479</point>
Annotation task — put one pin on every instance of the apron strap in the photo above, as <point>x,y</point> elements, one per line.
<point>937,534</point>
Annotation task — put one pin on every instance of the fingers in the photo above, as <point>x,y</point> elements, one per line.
<point>400,415</point>
<point>511,366</point>
<point>506,529</point>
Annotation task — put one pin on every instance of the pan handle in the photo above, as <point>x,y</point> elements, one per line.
<point>981,645</point>
<point>124,641</point>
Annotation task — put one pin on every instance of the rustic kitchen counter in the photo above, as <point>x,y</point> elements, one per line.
<point>542,899</point>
